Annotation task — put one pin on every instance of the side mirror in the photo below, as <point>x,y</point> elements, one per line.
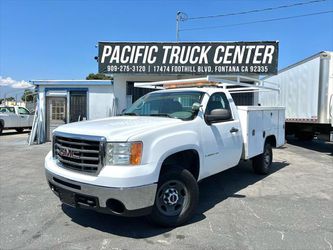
<point>218,115</point>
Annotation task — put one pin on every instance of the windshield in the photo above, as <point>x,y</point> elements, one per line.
<point>167,104</point>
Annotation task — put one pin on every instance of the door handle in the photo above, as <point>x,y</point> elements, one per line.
<point>233,130</point>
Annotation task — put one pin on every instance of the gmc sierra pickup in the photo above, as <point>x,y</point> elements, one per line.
<point>149,160</point>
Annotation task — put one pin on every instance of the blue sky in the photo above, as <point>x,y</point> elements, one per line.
<point>56,39</point>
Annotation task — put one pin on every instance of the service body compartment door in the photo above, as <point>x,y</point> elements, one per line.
<point>271,120</point>
<point>257,124</point>
<point>254,133</point>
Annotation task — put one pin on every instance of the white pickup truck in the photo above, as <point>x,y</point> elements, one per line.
<point>149,160</point>
<point>18,118</point>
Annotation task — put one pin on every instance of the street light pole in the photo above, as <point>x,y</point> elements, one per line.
<point>180,16</point>
<point>177,27</point>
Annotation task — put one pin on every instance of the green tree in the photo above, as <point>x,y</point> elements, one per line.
<point>98,76</point>
<point>10,99</point>
<point>28,95</point>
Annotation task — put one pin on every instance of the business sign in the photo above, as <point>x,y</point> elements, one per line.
<point>201,58</point>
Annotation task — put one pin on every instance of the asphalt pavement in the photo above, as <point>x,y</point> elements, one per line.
<point>291,208</point>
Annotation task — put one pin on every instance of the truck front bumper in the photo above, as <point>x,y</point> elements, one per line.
<point>131,201</point>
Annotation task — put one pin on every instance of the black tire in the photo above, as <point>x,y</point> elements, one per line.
<point>19,130</point>
<point>1,128</point>
<point>262,163</point>
<point>176,198</point>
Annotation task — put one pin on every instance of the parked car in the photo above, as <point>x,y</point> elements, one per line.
<point>149,160</point>
<point>18,118</point>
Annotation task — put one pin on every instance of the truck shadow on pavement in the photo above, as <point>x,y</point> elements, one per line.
<point>213,191</point>
<point>315,145</point>
<point>5,133</point>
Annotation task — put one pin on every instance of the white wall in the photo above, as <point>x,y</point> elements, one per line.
<point>100,102</point>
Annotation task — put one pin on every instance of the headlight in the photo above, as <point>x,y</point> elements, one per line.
<point>124,153</point>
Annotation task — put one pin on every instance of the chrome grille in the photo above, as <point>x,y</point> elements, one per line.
<point>78,154</point>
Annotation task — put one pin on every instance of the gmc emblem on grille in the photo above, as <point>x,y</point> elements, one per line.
<point>68,153</point>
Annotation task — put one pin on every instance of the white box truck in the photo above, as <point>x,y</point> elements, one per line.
<point>149,160</point>
<point>306,90</point>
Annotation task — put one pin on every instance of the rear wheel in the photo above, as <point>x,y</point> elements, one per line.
<point>176,198</point>
<point>19,130</point>
<point>262,163</point>
<point>1,128</point>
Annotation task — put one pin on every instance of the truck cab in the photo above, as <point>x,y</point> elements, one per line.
<point>149,160</point>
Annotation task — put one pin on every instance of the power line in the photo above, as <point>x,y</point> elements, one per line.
<point>258,21</point>
<point>257,10</point>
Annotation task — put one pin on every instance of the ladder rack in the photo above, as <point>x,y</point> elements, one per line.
<point>227,82</point>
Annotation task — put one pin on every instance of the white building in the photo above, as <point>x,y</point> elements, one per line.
<point>63,101</point>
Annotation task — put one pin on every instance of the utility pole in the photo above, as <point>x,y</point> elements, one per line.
<point>180,16</point>
<point>177,26</point>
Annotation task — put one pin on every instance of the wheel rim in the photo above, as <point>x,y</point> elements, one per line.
<point>267,157</point>
<point>172,198</point>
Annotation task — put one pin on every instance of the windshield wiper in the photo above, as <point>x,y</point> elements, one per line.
<point>132,114</point>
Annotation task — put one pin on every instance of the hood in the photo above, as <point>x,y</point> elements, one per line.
<point>119,128</point>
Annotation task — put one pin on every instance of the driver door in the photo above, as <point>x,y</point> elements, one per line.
<point>222,140</point>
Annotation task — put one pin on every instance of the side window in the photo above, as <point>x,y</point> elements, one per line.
<point>3,110</point>
<point>23,111</point>
<point>217,101</point>
<point>11,110</point>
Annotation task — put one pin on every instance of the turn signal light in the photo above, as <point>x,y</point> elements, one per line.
<point>136,153</point>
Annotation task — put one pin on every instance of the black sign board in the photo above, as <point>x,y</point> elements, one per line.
<point>195,58</point>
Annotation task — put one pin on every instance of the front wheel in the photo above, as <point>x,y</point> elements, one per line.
<point>176,198</point>
<point>261,163</point>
